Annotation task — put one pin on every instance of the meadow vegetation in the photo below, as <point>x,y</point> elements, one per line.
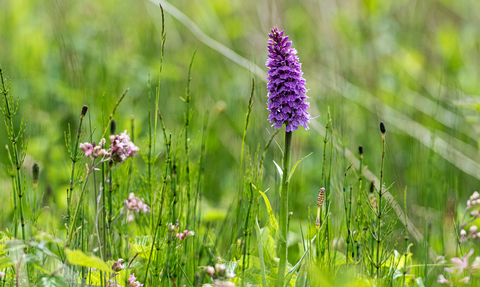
<point>193,143</point>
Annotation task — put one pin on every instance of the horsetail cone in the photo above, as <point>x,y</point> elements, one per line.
<point>113,127</point>
<point>382,128</point>
<point>286,86</point>
<point>321,197</point>
<point>35,172</point>
<point>84,110</point>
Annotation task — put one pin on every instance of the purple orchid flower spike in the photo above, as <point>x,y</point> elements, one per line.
<point>286,86</point>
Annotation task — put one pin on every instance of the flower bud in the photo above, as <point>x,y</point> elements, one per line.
<point>113,127</point>
<point>84,110</point>
<point>475,195</point>
<point>220,269</point>
<point>360,150</point>
<point>382,127</point>
<point>210,271</point>
<point>463,233</point>
<point>473,229</point>
<point>35,172</point>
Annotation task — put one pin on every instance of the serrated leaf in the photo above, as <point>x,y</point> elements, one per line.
<point>77,257</point>
<point>273,221</point>
<point>295,166</point>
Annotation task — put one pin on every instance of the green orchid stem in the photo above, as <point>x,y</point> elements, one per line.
<point>284,210</point>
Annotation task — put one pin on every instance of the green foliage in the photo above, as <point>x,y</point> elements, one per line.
<point>365,61</point>
<point>77,257</point>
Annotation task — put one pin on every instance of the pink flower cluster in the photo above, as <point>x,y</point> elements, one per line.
<point>457,270</point>
<point>473,204</point>
<point>117,265</point>
<point>121,147</point>
<point>183,235</point>
<point>132,282</point>
<point>94,150</point>
<point>135,204</point>
<point>472,233</point>
<point>473,200</point>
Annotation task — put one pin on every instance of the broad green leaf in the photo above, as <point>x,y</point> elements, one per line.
<point>295,166</point>
<point>273,221</point>
<point>5,261</point>
<point>260,253</point>
<point>77,257</point>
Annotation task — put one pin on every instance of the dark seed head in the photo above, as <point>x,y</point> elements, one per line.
<point>35,172</point>
<point>382,127</point>
<point>84,110</point>
<point>372,186</point>
<point>360,150</point>
<point>113,127</point>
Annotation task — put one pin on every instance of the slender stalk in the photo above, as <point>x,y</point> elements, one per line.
<point>327,187</point>
<point>359,203</point>
<point>9,113</point>
<point>187,150</point>
<point>240,187</point>
<point>104,214</point>
<point>196,223</point>
<point>347,220</point>
<point>284,210</point>
<point>157,227</point>
<point>74,157</point>
<point>379,205</point>
<point>406,236</point>
<point>71,228</point>
<point>14,192</point>
<point>110,203</point>
<point>150,155</point>
<point>35,173</point>
<point>245,234</point>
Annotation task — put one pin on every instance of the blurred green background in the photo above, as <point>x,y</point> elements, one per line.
<point>413,64</point>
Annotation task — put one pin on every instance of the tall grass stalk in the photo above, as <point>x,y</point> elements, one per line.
<point>187,150</point>
<point>240,187</point>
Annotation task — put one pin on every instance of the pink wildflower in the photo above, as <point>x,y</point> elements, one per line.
<point>117,265</point>
<point>442,280</point>
<point>132,282</point>
<point>122,148</point>
<point>460,263</point>
<point>135,204</point>
<point>87,148</point>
